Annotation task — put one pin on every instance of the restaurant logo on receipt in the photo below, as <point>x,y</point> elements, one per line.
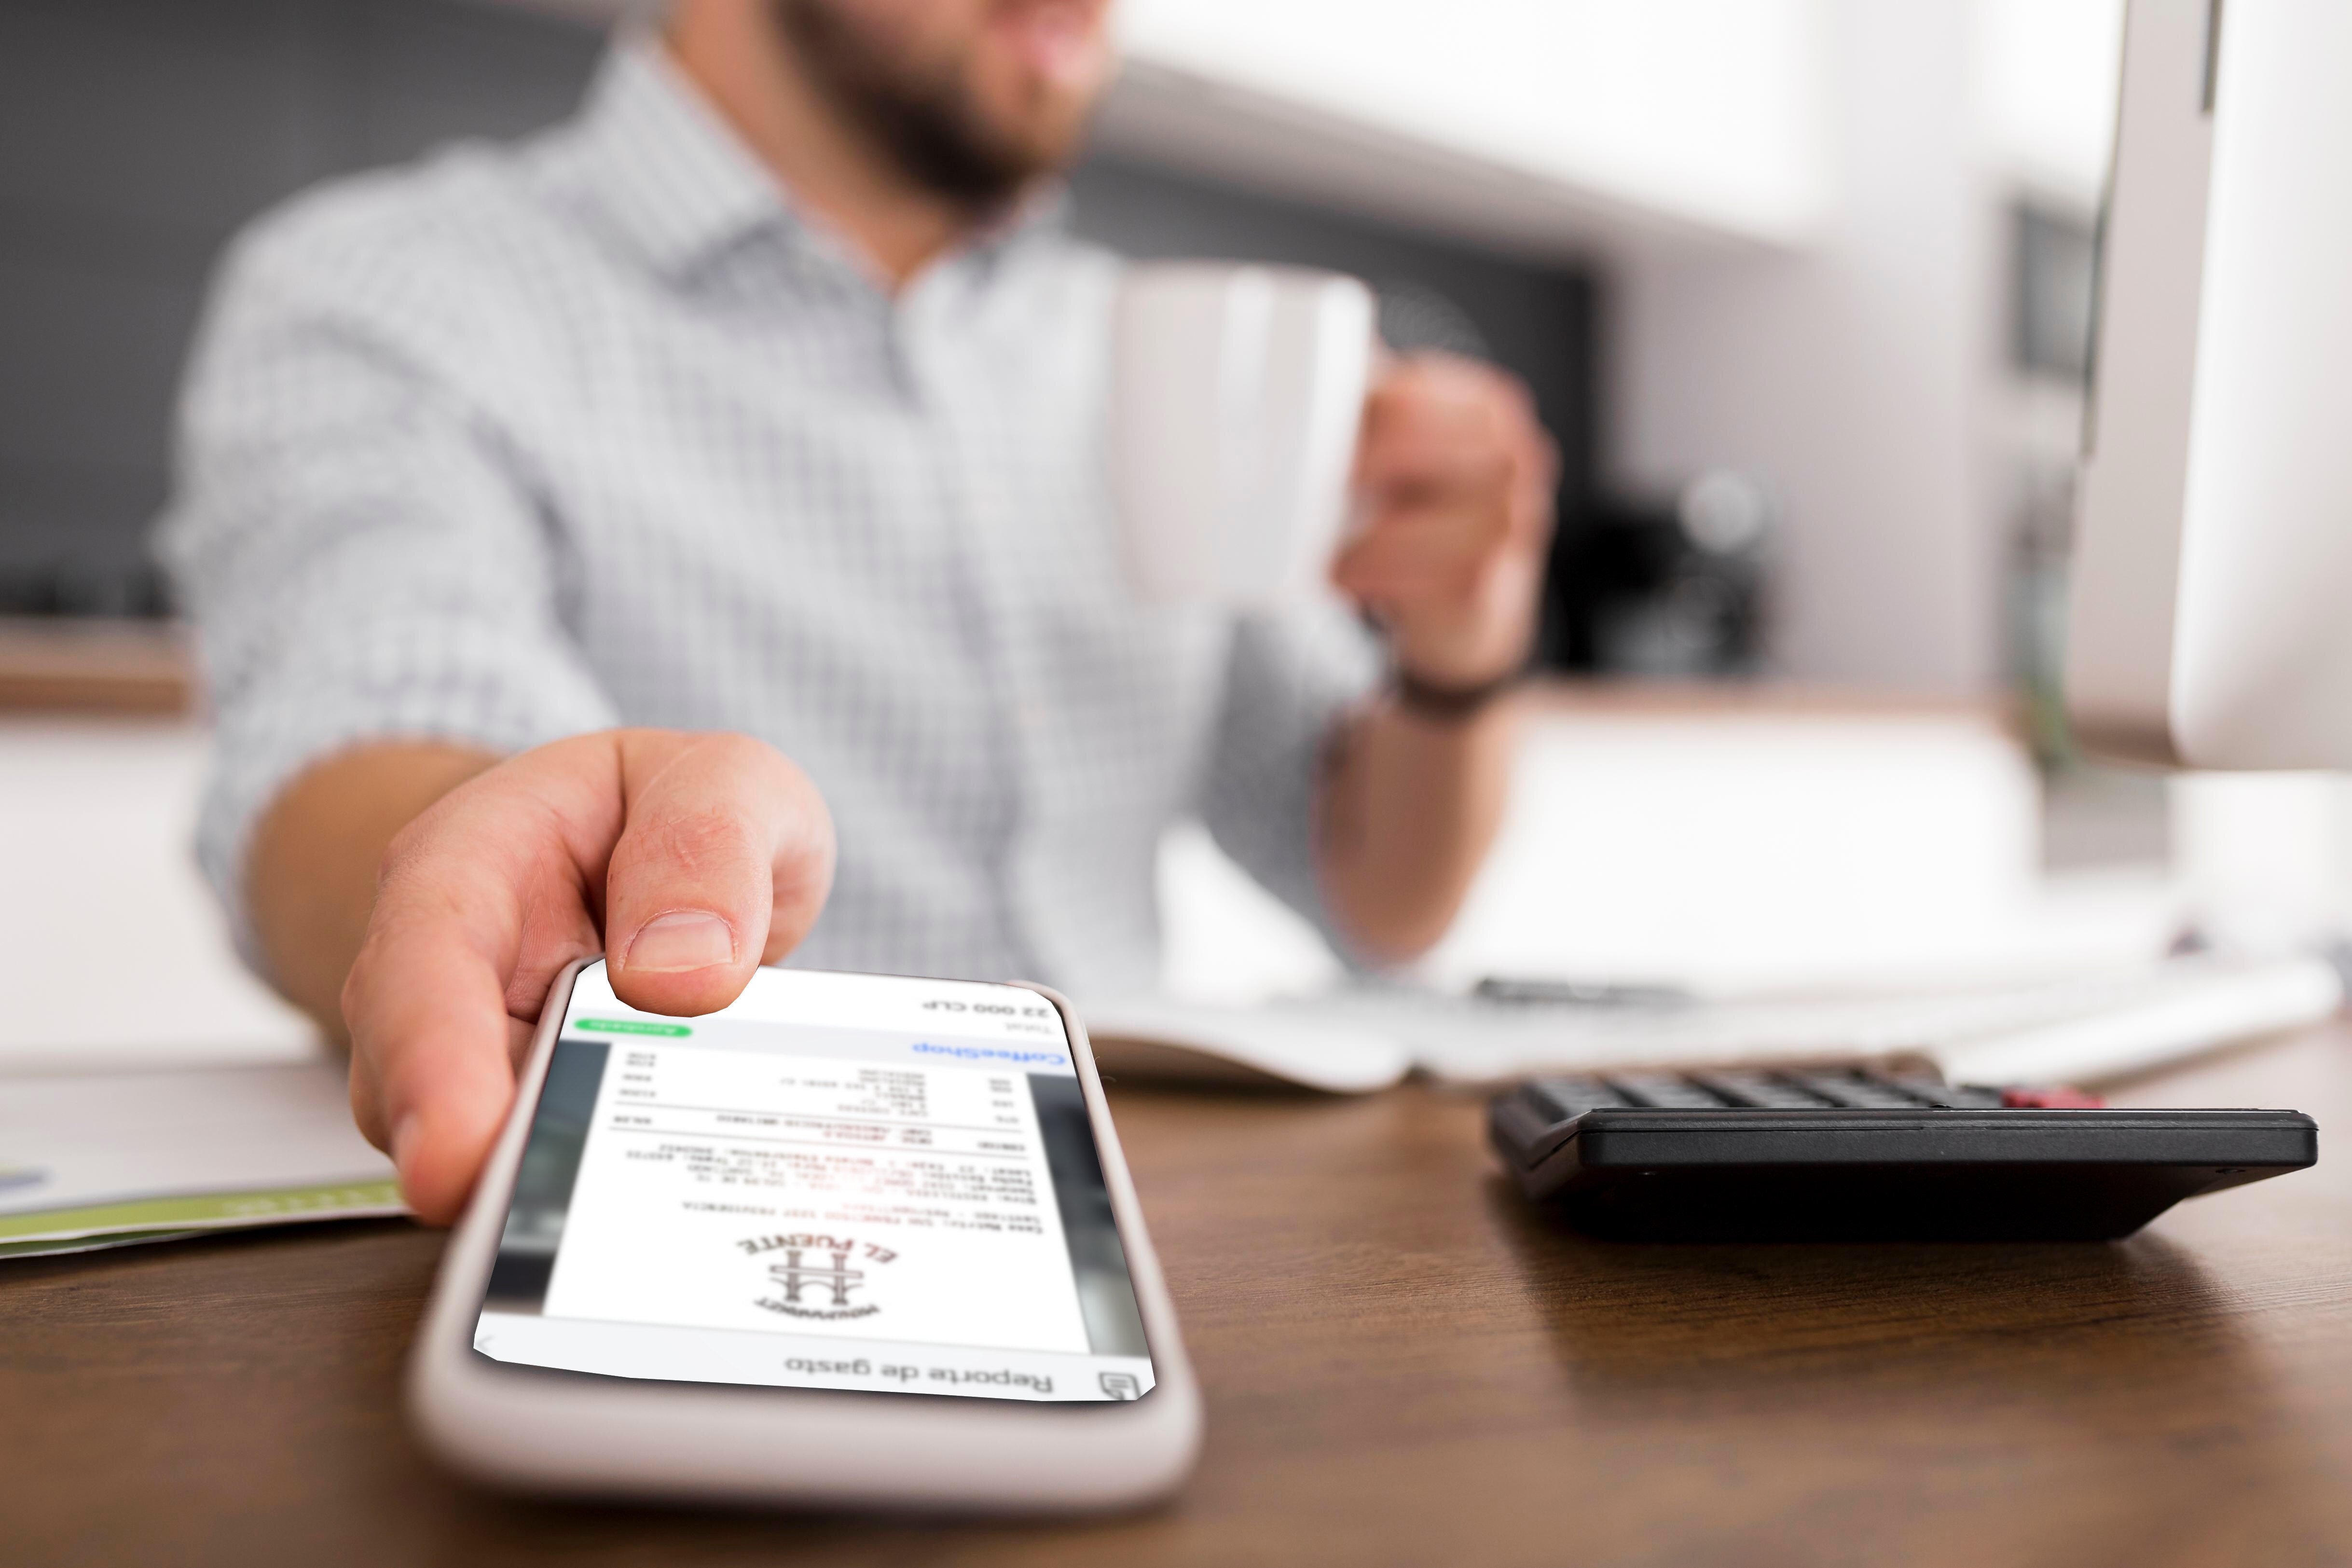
<point>820,1276</point>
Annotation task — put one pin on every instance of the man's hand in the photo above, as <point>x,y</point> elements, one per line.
<point>696,858</point>
<point>1457,478</point>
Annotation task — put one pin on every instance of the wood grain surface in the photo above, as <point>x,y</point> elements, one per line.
<point>1402,1366</point>
<point>69,665</point>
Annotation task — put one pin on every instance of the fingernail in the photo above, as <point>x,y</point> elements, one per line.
<point>680,940</point>
<point>403,1137</point>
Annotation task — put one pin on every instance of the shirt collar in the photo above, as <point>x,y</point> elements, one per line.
<point>667,170</point>
<point>683,188</point>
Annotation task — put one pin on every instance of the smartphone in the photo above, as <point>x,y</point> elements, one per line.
<point>855,1239</point>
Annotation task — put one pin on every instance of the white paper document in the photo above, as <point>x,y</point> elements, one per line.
<point>1353,1041</point>
<point>111,1158</point>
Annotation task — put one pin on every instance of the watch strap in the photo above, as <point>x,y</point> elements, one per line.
<point>1428,699</point>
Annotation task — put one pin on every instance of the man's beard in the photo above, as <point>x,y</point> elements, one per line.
<point>923,121</point>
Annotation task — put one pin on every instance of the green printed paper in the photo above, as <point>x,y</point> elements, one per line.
<point>208,1211</point>
<point>56,1246</point>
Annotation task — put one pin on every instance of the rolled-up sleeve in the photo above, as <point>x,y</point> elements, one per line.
<point>350,531</point>
<point>1290,683</point>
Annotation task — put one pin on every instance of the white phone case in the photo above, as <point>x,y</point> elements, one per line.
<point>576,1433</point>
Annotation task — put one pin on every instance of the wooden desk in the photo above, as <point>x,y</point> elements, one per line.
<point>1401,1365</point>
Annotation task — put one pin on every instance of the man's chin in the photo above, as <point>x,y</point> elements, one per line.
<point>1038,127</point>
<point>1043,156</point>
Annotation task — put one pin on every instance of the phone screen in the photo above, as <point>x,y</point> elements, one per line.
<point>842,1182</point>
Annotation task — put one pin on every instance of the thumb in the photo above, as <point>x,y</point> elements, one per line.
<point>724,858</point>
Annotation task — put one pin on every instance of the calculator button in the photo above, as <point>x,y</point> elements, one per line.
<point>1666,1092</point>
<point>1951,1095</point>
<point>1761,1091</point>
<point>1856,1091</point>
<point>1565,1098</point>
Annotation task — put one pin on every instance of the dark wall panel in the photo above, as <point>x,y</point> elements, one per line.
<point>135,136</point>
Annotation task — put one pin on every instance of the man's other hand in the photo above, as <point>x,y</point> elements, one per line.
<point>1456,478</point>
<point>689,859</point>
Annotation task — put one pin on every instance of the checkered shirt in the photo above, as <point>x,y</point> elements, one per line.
<point>598,430</point>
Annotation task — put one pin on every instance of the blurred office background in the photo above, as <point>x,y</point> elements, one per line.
<point>1803,287</point>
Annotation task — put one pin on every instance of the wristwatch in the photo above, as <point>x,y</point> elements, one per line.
<point>1449,704</point>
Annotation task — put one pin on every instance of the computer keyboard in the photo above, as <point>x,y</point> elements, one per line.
<point>1848,1152</point>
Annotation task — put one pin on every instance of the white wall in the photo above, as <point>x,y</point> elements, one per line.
<point>1550,127</point>
<point>1846,377</point>
<point>2047,74</point>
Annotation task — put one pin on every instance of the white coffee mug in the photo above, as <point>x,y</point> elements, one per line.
<point>1236,396</point>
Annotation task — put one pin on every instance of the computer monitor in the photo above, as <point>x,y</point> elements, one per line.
<point>2211,624</point>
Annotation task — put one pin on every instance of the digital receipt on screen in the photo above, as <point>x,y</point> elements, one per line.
<point>842,1182</point>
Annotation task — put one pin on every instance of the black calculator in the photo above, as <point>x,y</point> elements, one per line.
<point>1859,1153</point>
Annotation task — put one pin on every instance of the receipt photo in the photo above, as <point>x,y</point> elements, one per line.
<point>814,1188</point>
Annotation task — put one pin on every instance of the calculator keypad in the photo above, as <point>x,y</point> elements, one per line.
<point>1812,1089</point>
